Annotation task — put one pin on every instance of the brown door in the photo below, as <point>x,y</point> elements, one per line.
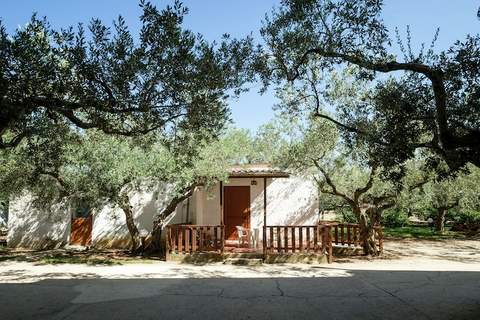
<point>236,210</point>
<point>81,231</point>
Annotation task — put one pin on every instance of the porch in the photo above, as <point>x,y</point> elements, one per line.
<point>277,244</point>
<point>260,199</point>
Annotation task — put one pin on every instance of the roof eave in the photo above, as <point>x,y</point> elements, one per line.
<point>259,175</point>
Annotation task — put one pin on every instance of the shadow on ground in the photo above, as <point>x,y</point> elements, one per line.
<point>61,256</point>
<point>347,294</point>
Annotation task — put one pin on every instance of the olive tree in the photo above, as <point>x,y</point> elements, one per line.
<point>431,103</point>
<point>104,169</point>
<point>313,146</point>
<point>459,192</point>
<point>107,78</point>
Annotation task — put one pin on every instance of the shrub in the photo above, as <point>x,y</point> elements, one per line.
<point>467,220</point>
<point>394,218</point>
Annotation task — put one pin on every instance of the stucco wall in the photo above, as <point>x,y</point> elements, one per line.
<point>109,227</point>
<point>30,227</point>
<point>290,201</point>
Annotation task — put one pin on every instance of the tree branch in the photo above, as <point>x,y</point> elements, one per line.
<point>55,176</point>
<point>435,76</point>
<point>329,181</point>
<point>358,192</point>
<point>15,141</point>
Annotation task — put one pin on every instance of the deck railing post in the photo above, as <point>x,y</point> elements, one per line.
<point>279,240</point>
<point>222,231</point>
<point>167,244</point>
<point>264,242</point>
<point>324,239</point>
<point>330,246</point>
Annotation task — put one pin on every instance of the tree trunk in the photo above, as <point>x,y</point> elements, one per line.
<point>132,228</point>
<point>367,233</point>
<point>440,219</point>
<point>160,219</point>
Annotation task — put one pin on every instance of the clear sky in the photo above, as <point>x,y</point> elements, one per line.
<point>212,18</point>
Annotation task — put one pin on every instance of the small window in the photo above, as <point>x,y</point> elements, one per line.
<point>81,209</point>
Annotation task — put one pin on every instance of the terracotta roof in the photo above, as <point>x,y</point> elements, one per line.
<point>257,170</point>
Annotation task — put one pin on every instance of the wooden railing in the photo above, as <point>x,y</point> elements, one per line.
<point>188,239</point>
<point>298,239</point>
<point>348,234</point>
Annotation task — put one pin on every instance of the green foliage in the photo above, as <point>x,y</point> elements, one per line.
<point>293,142</point>
<point>468,217</point>
<point>169,79</point>
<point>346,215</point>
<point>394,218</point>
<point>467,220</point>
<point>420,232</point>
<point>97,167</point>
<point>431,104</point>
<point>458,193</point>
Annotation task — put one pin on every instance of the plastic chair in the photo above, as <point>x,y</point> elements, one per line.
<point>244,234</point>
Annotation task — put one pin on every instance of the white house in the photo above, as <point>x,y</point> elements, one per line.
<point>255,195</point>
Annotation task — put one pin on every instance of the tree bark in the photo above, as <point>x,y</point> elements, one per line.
<point>132,228</point>
<point>440,219</point>
<point>159,221</point>
<point>367,233</point>
<point>366,223</point>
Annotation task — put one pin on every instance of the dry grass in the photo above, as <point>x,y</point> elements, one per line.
<point>62,256</point>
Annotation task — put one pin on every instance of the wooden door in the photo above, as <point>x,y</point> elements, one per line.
<point>81,231</point>
<point>236,210</point>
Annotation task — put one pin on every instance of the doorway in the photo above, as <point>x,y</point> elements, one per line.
<point>236,210</point>
<point>81,227</point>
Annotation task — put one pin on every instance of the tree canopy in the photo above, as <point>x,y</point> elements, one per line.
<point>433,104</point>
<point>164,78</point>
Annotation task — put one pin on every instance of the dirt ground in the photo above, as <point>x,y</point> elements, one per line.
<point>408,255</point>
<point>415,254</point>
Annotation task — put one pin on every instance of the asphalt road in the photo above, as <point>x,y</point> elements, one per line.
<point>354,294</point>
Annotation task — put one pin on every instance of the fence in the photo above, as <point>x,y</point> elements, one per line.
<point>195,238</point>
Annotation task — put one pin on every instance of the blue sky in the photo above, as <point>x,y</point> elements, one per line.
<point>212,18</point>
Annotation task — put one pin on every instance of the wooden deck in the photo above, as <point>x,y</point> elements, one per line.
<point>316,240</point>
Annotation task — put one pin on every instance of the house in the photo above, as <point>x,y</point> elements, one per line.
<point>254,195</point>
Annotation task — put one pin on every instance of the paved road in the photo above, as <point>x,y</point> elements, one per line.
<point>255,294</point>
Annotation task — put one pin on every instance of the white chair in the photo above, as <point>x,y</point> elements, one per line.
<point>243,234</point>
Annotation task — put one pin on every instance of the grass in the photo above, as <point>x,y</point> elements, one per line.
<point>420,232</point>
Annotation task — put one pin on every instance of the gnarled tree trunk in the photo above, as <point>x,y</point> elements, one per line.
<point>160,219</point>
<point>132,228</point>
<point>367,232</point>
<point>440,219</point>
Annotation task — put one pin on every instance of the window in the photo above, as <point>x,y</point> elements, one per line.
<point>80,209</point>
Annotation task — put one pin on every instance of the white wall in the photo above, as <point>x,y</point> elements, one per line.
<point>30,227</point>
<point>290,201</point>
